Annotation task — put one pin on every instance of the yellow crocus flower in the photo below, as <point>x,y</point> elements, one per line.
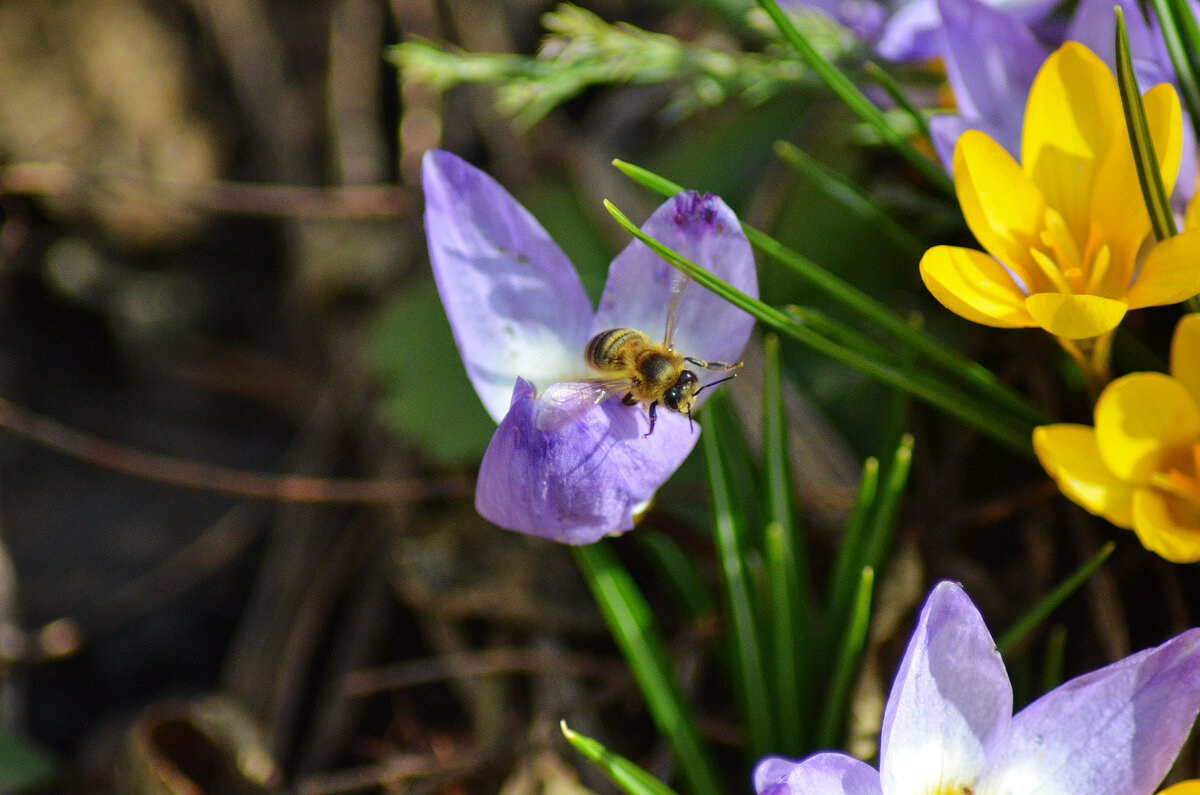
<point>1191,787</point>
<point>1067,234</point>
<point>1139,467</point>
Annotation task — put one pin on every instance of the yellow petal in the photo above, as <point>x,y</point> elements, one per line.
<point>1183,788</point>
<point>975,286</point>
<point>1118,214</point>
<point>1167,525</point>
<point>1164,117</point>
<point>1146,422</point>
<point>1170,274</point>
<point>1071,122</point>
<point>1185,355</point>
<point>1070,456</point>
<point>1003,208</point>
<point>1192,219</point>
<point>1075,317</point>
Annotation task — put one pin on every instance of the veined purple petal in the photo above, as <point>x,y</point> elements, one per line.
<point>1117,729</point>
<point>513,298</point>
<point>991,61</point>
<point>581,482</point>
<point>819,774</point>
<point>703,229</point>
<point>950,704</point>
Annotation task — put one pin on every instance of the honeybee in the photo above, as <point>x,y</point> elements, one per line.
<point>650,373</point>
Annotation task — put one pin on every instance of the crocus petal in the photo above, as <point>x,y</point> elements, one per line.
<point>1170,274</point>
<point>1185,354</point>
<point>1003,207</point>
<point>703,229</point>
<point>975,286</point>
<point>950,704</point>
<point>1183,788</point>
<point>912,32</point>
<point>1145,423</point>
<point>1117,729</point>
<point>1074,114</point>
<point>991,60</point>
<point>582,481</point>
<point>1071,457</point>
<point>514,301</point>
<point>1075,317</point>
<point>1167,525</point>
<point>819,774</point>
<point>1125,224</point>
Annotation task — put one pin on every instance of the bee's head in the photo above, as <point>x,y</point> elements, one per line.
<point>680,395</point>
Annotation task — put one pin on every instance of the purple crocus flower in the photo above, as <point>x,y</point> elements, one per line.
<point>948,724</point>
<point>560,467</point>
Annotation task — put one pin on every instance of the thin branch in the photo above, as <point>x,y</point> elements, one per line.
<point>211,477</point>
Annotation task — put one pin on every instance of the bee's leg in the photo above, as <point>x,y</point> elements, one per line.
<point>718,366</point>
<point>653,417</point>
<point>629,399</point>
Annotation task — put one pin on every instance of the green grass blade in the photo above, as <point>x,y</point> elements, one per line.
<point>788,581</point>
<point>632,626</point>
<point>1149,176</point>
<point>680,571</point>
<point>1054,660</point>
<point>844,193</point>
<point>1024,625</point>
<point>873,312</point>
<point>843,584</point>
<point>898,95</point>
<point>791,639</point>
<point>917,381</point>
<point>856,100</point>
<point>1182,37</point>
<point>625,774</point>
<point>846,664</point>
<point>888,503</point>
<point>729,532</point>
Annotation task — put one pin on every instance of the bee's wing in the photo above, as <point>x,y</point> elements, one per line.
<point>679,284</point>
<point>565,402</point>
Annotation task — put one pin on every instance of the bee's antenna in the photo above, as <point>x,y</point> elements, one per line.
<point>691,428</point>
<point>714,383</point>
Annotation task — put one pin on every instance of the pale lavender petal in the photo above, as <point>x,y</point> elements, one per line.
<point>864,18</point>
<point>913,33</point>
<point>581,482</point>
<point>950,704</point>
<point>514,301</point>
<point>703,229</point>
<point>819,774</point>
<point>1117,729</point>
<point>991,61</point>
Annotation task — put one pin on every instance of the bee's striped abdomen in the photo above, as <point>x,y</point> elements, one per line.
<point>606,350</point>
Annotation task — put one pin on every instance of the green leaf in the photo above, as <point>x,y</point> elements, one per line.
<point>679,570</point>
<point>846,664</point>
<point>427,395</point>
<point>864,108</point>
<point>1042,610</point>
<point>1149,176</point>
<point>625,774</point>
<point>788,583</point>
<point>896,92</point>
<point>729,530</point>
<point>632,626</point>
